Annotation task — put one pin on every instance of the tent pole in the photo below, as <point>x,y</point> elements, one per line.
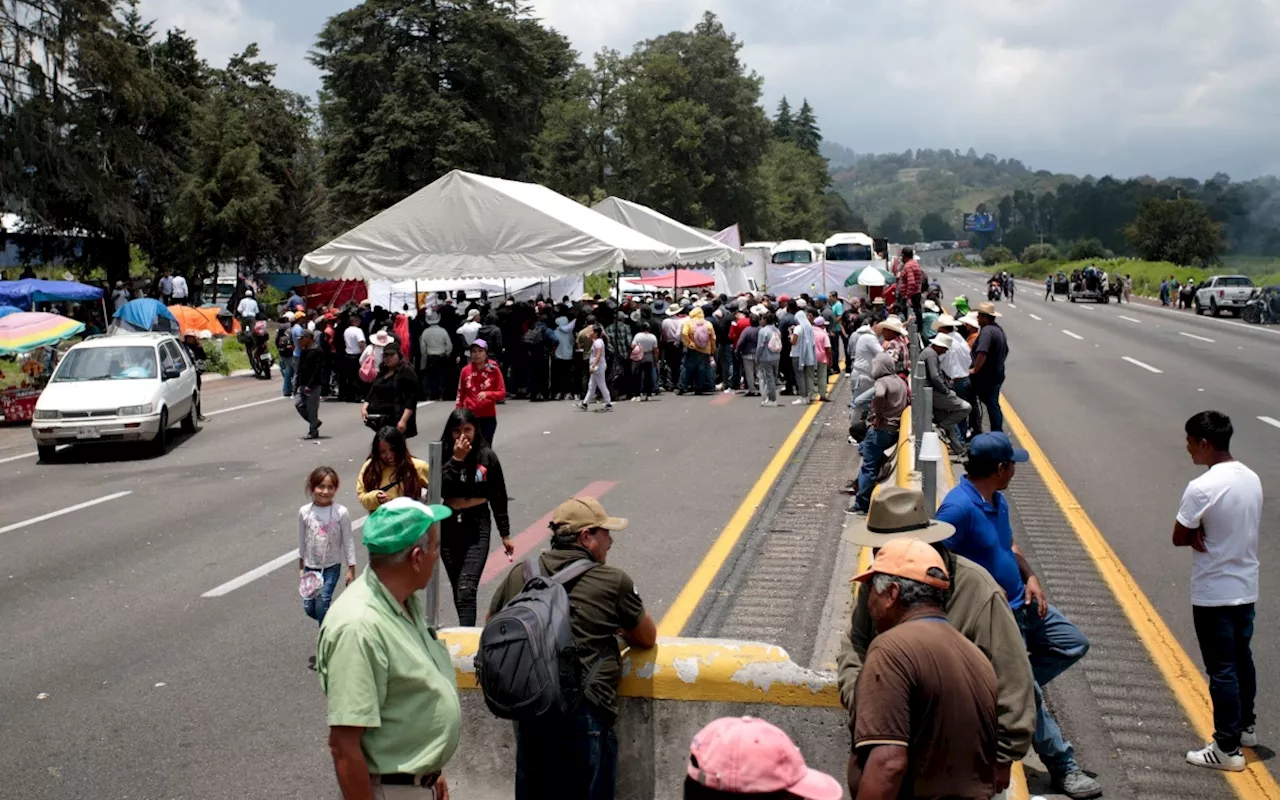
<point>103,300</point>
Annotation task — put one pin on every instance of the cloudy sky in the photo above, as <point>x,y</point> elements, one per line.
<point>1126,87</point>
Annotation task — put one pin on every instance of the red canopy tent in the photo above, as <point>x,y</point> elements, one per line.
<point>687,279</point>
<point>333,294</point>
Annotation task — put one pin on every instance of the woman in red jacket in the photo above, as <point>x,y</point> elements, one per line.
<point>481,388</point>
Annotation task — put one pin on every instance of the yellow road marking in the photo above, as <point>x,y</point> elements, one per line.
<point>1179,671</point>
<point>677,616</point>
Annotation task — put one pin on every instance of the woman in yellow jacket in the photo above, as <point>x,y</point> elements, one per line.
<point>390,472</point>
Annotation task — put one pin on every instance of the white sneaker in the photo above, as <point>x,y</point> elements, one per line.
<point>728,391</point>
<point>799,401</point>
<point>1211,756</point>
<point>1249,737</point>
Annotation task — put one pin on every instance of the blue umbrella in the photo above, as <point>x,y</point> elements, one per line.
<point>7,310</point>
<point>146,314</point>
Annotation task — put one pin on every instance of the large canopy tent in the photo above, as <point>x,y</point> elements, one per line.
<point>23,293</point>
<point>472,226</point>
<point>694,247</point>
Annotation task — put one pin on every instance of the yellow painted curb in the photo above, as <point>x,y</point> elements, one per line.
<point>1179,671</point>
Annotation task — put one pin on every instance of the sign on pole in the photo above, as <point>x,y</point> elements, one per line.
<point>985,223</point>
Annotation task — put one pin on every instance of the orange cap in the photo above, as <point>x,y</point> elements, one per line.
<point>910,559</point>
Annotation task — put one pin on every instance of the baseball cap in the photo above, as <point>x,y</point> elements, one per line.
<point>744,755</point>
<point>580,513</point>
<point>481,343</point>
<point>911,559</point>
<point>398,524</point>
<point>996,447</point>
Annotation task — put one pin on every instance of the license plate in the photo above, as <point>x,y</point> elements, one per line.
<point>88,433</point>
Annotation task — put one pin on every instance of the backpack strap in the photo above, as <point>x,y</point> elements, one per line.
<point>532,568</point>
<point>575,570</point>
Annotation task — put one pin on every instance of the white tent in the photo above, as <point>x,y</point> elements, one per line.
<point>473,226</point>
<point>394,296</point>
<point>693,246</point>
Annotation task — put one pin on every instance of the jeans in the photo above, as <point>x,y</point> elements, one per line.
<point>561,380</point>
<point>1224,633</point>
<point>988,394</point>
<point>695,375</point>
<point>464,549</point>
<point>288,365</point>
<point>724,363</point>
<point>673,356</point>
<point>316,607</point>
<point>433,377</point>
<point>803,389</point>
<point>872,449</point>
<point>489,427</point>
<point>572,758</point>
<point>646,373</point>
<point>862,402</point>
<point>768,371</point>
<point>1053,645</point>
<point>821,381</point>
<point>964,390</point>
<point>307,402</point>
<point>749,373</point>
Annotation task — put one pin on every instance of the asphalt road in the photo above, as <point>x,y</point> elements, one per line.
<point>121,680</point>
<point>1106,389</point>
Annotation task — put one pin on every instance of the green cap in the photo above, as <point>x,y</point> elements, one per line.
<point>398,524</point>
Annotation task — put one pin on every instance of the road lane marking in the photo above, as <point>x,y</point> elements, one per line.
<point>266,569</point>
<point>686,602</point>
<point>69,509</point>
<point>1180,672</point>
<point>1138,363</point>
<point>1037,319</point>
<point>1086,308</point>
<point>246,405</point>
<point>16,458</point>
<point>1198,338</point>
<point>1130,319</point>
<point>1275,423</point>
<point>528,540</point>
<point>1073,335</point>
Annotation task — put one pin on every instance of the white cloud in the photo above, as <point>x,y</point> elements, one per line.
<point>1123,86</point>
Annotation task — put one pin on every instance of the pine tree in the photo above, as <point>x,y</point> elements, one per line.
<point>805,131</point>
<point>784,124</point>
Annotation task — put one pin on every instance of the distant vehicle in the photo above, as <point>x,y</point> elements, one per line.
<point>792,251</point>
<point>125,387</point>
<point>1220,292</point>
<point>1089,284</point>
<point>1263,307</point>
<point>850,247</point>
<point>1060,283</point>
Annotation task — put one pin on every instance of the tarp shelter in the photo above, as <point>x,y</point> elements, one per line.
<point>145,314</point>
<point>472,226</point>
<point>693,247</point>
<point>23,293</point>
<point>334,294</point>
<point>195,320</point>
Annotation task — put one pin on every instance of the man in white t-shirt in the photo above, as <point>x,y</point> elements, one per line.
<point>471,328</point>
<point>179,290</point>
<point>352,347</point>
<point>1218,519</point>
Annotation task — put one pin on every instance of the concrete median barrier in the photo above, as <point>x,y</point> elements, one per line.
<point>666,695</point>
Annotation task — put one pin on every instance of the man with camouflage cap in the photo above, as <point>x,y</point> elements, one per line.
<point>393,709</point>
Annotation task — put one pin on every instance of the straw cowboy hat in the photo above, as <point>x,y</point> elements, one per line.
<point>989,309</point>
<point>944,321</point>
<point>894,324</point>
<point>897,513</point>
<point>970,319</point>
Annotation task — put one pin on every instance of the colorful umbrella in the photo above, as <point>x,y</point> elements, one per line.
<point>870,276</point>
<point>31,330</point>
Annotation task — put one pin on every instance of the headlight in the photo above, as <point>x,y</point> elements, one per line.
<point>43,414</point>
<point>134,411</point>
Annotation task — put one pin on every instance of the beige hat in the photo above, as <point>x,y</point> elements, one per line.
<point>897,513</point>
<point>579,513</point>
<point>893,324</point>
<point>944,321</point>
<point>941,340</point>
<point>970,319</point>
<point>879,301</point>
<point>989,309</point>
<point>929,305</point>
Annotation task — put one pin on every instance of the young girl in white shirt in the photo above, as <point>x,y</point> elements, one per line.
<point>325,542</point>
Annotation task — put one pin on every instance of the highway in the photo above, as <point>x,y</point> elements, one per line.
<point>121,679</point>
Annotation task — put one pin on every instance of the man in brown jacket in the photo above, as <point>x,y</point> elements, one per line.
<point>977,608</point>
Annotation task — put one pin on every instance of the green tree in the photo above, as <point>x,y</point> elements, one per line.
<point>415,88</point>
<point>577,148</point>
<point>1019,239</point>
<point>796,209</point>
<point>996,255</point>
<point>784,123</point>
<point>894,228</point>
<point>1179,231</point>
<point>841,218</point>
<point>806,133</point>
<point>1086,249</point>
<point>1040,252</point>
<point>934,228</point>
<point>911,236</point>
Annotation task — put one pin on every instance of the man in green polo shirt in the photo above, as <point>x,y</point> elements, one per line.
<point>394,713</point>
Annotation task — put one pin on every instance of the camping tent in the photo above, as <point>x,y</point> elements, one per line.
<point>196,320</point>
<point>145,314</point>
<point>24,292</point>
<point>472,226</point>
<point>693,247</point>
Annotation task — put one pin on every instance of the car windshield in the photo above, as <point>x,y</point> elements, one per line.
<point>849,252</point>
<point>107,364</point>
<point>793,257</point>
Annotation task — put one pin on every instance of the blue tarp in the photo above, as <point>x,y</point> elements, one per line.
<point>146,314</point>
<point>7,310</point>
<point>22,293</point>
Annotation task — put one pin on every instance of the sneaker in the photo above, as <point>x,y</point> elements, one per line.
<point>582,406</point>
<point>1079,786</point>
<point>608,406</point>
<point>1211,756</point>
<point>799,401</point>
<point>728,391</point>
<point>1249,737</point>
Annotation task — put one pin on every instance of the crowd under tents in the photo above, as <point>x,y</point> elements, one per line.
<point>466,226</point>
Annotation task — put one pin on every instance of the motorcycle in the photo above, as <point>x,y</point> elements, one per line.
<point>254,337</point>
<point>1263,307</point>
<point>994,292</point>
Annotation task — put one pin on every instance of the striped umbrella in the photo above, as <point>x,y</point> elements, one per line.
<point>31,330</point>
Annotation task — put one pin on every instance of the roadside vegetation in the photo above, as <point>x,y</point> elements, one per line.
<point>1146,274</point>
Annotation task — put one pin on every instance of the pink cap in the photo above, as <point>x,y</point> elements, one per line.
<point>743,755</point>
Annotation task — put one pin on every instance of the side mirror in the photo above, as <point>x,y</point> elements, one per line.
<point>170,374</point>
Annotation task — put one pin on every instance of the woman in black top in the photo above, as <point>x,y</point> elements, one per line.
<point>473,486</point>
<point>393,397</point>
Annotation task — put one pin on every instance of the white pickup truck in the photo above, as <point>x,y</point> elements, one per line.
<point>1220,292</point>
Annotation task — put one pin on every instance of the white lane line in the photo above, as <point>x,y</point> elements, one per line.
<point>1147,367</point>
<point>246,405</point>
<point>1131,319</point>
<point>1198,338</point>
<point>426,403</point>
<point>1271,421</point>
<point>1073,335</point>
<point>1037,319</point>
<point>69,509</point>
<point>1084,307</point>
<point>266,569</point>
<point>16,458</point>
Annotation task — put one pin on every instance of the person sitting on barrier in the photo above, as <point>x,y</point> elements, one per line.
<point>948,408</point>
<point>984,534</point>
<point>737,756</point>
<point>925,704</point>
<point>575,757</point>
<point>887,404</point>
<point>976,607</point>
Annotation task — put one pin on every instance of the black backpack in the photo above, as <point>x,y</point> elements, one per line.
<point>527,664</point>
